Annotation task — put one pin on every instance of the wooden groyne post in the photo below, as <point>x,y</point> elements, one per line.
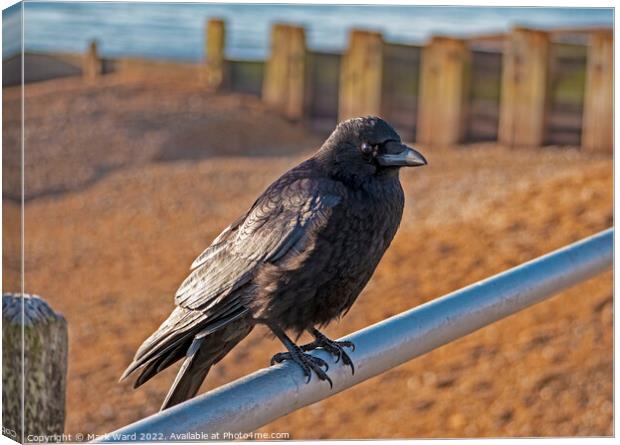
<point>444,87</point>
<point>524,90</point>
<point>215,45</point>
<point>361,75</point>
<point>34,367</point>
<point>285,74</point>
<point>458,94</point>
<point>92,65</point>
<point>598,125</point>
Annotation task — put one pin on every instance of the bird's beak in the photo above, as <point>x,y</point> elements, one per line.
<point>400,155</point>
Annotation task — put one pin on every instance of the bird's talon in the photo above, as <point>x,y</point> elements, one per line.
<point>331,385</point>
<point>279,357</point>
<point>352,367</point>
<point>348,344</point>
<point>307,363</point>
<point>335,348</point>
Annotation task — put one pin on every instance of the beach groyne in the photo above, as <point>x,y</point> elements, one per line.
<point>524,88</point>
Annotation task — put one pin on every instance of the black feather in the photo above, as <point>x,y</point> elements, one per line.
<point>299,257</point>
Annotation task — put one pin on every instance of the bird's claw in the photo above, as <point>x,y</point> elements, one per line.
<point>335,348</point>
<point>308,363</point>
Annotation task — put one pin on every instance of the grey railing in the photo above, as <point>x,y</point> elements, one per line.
<point>255,400</point>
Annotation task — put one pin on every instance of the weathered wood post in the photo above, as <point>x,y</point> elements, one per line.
<point>444,89</point>
<point>275,78</point>
<point>598,115</point>
<point>92,65</point>
<point>524,94</point>
<point>361,75</point>
<point>34,365</point>
<point>285,73</point>
<point>215,45</point>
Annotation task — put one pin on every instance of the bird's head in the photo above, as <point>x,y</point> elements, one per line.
<point>367,146</point>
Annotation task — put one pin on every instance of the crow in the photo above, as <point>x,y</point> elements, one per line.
<point>297,259</point>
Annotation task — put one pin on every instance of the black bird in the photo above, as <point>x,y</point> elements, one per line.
<point>297,259</point>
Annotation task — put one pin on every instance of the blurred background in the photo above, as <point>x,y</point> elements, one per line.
<point>150,127</point>
<point>169,30</point>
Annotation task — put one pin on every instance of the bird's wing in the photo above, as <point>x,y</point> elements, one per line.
<point>219,242</point>
<point>280,218</point>
<point>281,223</point>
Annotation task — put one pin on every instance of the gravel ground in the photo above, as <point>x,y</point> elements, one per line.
<point>110,253</point>
<point>77,132</point>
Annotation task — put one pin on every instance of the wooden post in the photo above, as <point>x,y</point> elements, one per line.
<point>217,76</point>
<point>92,66</point>
<point>444,88</point>
<point>30,327</point>
<point>524,95</point>
<point>598,113</point>
<point>361,75</point>
<point>285,73</point>
<point>275,69</point>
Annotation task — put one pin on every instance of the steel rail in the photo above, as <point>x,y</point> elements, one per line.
<point>257,399</point>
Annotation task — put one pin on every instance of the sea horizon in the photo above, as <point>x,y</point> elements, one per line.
<point>176,30</point>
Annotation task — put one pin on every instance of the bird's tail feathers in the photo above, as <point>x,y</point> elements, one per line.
<point>166,345</point>
<point>206,350</point>
<point>189,378</point>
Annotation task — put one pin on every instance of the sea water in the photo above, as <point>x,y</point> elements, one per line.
<point>176,31</point>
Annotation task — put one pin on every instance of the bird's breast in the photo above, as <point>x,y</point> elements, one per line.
<point>349,251</point>
<point>342,259</point>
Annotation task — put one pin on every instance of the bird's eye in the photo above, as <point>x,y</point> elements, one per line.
<point>366,148</point>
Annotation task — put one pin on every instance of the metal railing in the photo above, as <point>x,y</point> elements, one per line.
<point>257,399</point>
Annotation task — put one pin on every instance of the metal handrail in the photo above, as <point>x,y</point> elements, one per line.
<point>257,399</point>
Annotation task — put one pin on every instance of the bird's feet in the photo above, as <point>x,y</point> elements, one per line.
<point>307,362</point>
<point>334,347</point>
